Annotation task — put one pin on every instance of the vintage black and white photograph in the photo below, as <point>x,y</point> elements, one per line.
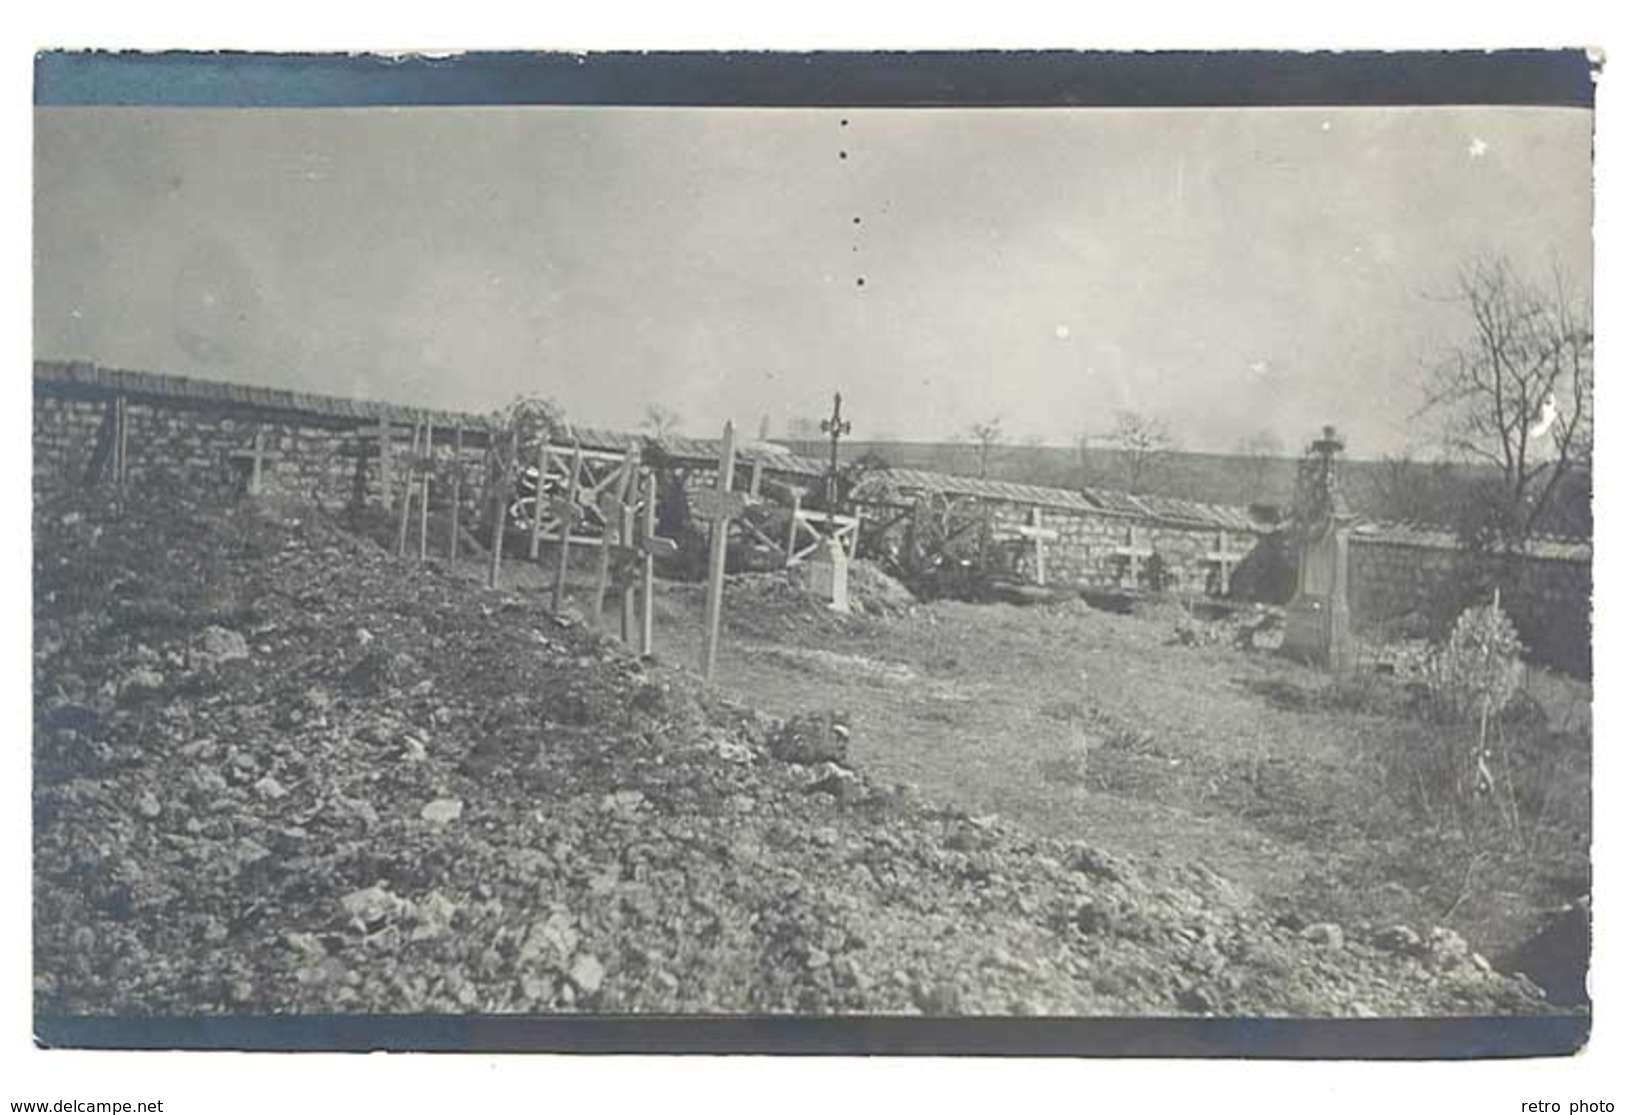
<point>931,561</point>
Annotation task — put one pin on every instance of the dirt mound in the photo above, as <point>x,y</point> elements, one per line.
<point>383,527</point>
<point>782,595</point>
<point>412,794</point>
<point>1256,627</point>
<point>873,591</point>
<point>772,607</point>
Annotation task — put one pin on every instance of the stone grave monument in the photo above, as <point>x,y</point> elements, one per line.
<point>826,575</point>
<point>1318,626</point>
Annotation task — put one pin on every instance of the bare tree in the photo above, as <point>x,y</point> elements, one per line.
<point>986,435</point>
<point>1516,394</point>
<point>1143,445</point>
<point>1258,450</point>
<point>661,421</point>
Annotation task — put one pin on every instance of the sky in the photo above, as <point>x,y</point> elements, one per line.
<point>1229,272</point>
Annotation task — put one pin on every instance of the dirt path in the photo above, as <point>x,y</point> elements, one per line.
<point>1102,727</point>
<point>989,707</point>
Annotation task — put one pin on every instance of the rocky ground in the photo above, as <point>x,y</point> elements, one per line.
<point>278,770</point>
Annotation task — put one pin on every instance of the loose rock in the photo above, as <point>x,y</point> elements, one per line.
<point>442,811</point>
<point>372,906</point>
<point>1399,938</point>
<point>1325,934</point>
<point>215,646</point>
<point>587,973</point>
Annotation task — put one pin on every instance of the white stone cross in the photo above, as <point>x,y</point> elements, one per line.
<point>1226,559</point>
<point>1037,533</point>
<point>258,455</point>
<point>1134,551</point>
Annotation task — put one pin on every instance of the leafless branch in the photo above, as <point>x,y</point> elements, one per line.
<point>1515,391</point>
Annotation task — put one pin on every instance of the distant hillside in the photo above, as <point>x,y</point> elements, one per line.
<point>1208,477</point>
<point>1377,489</point>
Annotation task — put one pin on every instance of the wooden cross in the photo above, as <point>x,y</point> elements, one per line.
<point>386,461</point>
<point>616,512</point>
<point>110,456</point>
<point>121,441</point>
<point>499,477</point>
<point>649,545</point>
<point>835,427</point>
<point>716,506</point>
<point>1226,560</point>
<point>418,464</point>
<point>628,529</point>
<point>1038,534</point>
<point>1134,552</point>
<point>456,490</point>
<point>632,553</point>
<point>567,519</point>
<point>406,495</point>
<point>427,463</point>
<point>257,456</point>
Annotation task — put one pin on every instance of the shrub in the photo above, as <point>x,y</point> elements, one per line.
<point>1269,572</point>
<point>1471,680</point>
<point>1479,668</point>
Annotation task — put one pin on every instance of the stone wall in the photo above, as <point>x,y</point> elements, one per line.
<point>321,464</point>
<point>317,448</point>
<point>1085,553</point>
<point>1404,587</point>
<point>314,449</point>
